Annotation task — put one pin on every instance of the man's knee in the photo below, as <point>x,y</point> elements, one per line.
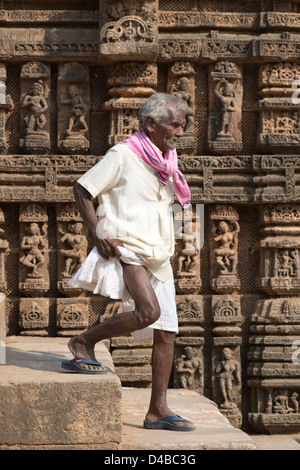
<point>166,337</point>
<point>147,314</point>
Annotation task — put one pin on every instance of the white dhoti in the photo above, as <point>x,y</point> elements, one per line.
<point>105,277</point>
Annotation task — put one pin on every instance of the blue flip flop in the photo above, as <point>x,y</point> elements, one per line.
<point>167,423</point>
<point>74,366</point>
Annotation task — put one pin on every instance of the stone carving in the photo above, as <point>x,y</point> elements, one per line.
<point>219,47</point>
<point>226,309</point>
<point>74,105</point>
<point>69,70</point>
<point>186,261</point>
<point>179,48</point>
<point>194,18</point>
<point>227,378</point>
<point>75,251</point>
<point>189,309</point>
<point>181,83</point>
<point>188,360</point>
<point>275,372</point>
<point>283,403</point>
<point>35,117</point>
<point>225,108</point>
<point>72,316</point>
<point>33,245</point>
<point>53,16</point>
<point>133,30</point>
<point>227,362</point>
<point>72,246</point>
<point>6,106</point>
<point>34,276</point>
<point>189,369</point>
<point>279,112</point>
<point>279,250</point>
<point>224,249</point>
<point>227,371</point>
<point>34,316</point>
<point>3,247</point>
<point>131,83</point>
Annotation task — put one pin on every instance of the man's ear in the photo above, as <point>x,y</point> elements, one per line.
<point>150,124</point>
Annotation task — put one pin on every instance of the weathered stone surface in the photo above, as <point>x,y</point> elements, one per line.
<point>214,432</point>
<point>3,328</point>
<point>42,404</point>
<point>71,85</point>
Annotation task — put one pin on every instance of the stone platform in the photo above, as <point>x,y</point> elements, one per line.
<point>45,407</point>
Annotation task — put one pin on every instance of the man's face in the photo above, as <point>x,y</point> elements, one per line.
<point>166,134</point>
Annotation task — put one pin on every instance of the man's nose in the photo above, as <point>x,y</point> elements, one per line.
<point>180,131</point>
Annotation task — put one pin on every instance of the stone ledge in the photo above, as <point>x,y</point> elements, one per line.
<point>43,405</point>
<point>214,432</point>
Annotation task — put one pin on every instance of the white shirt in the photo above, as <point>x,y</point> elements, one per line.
<point>134,207</point>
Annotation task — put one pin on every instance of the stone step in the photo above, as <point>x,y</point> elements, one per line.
<point>45,407</point>
<point>213,430</point>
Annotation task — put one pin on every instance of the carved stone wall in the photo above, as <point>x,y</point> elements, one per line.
<point>73,76</point>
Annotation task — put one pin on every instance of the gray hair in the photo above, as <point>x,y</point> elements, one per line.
<point>158,106</point>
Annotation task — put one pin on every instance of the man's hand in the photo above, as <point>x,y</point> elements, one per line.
<point>108,247</point>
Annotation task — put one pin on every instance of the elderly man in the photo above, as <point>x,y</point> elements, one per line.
<point>134,241</point>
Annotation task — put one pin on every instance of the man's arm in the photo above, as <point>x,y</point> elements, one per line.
<point>106,247</point>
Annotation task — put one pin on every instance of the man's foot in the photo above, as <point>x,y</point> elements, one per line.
<point>80,348</point>
<point>83,366</point>
<point>169,421</point>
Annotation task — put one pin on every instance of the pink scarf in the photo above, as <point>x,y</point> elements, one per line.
<point>165,166</point>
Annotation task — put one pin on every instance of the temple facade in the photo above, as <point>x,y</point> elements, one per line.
<point>73,75</point>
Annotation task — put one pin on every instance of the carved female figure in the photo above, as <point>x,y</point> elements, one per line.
<point>77,118</point>
<point>33,245</point>
<point>76,249</point>
<point>181,89</point>
<point>226,370</point>
<point>187,256</point>
<point>226,254</point>
<point>189,369</point>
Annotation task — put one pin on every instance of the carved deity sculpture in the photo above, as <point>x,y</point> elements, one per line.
<point>228,371</point>
<point>188,254</point>
<point>224,249</point>
<point>181,83</point>
<point>181,89</point>
<point>73,97</point>
<point>34,101</point>
<point>225,236</point>
<point>189,369</point>
<point>35,113</point>
<point>33,246</point>
<point>75,249</point>
<point>77,121</point>
<point>225,108</point>
<point>281,403</point>
<point>227,96</point>
<point>279,110</point>
<point>287,263</point>
<point>186,261</point>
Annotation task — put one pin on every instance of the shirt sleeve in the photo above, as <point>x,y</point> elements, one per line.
<point>104,175</point>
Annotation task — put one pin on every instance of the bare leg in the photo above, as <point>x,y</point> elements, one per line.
<point>162,361</point>
<point>146,312</point>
